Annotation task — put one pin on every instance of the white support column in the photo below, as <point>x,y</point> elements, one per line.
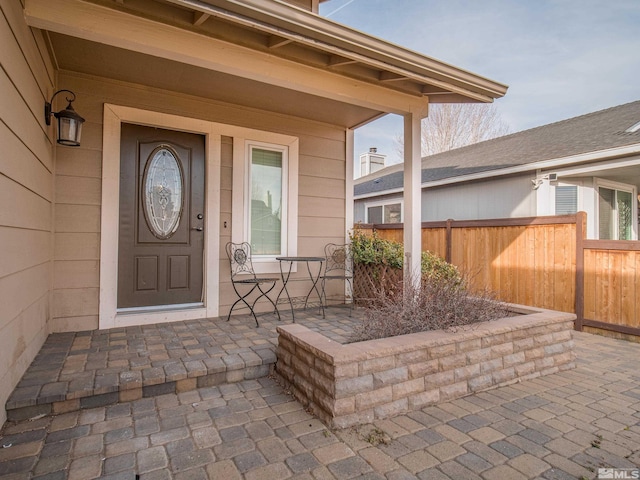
<point>412,194</point>
<point>348,195</point>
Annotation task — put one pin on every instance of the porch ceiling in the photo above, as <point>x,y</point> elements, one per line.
<point>78,55</point>
<point>265,54</point>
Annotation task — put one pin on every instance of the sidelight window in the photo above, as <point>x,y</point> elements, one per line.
<point>267,212</point>
<point>265,197</point>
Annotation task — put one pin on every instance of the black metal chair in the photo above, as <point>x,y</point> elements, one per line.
<point>242,273</point>
<point>338,266</point>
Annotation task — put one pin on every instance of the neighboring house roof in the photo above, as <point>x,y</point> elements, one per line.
<point>594,132</point>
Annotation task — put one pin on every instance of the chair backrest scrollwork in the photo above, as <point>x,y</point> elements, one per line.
<point>338,259</point>
<point>240,258</point>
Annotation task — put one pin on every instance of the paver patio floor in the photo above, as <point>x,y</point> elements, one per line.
<point>561,426</point>
<point>77,370</point>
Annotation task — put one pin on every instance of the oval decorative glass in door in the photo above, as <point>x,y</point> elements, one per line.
<point>163,191</point>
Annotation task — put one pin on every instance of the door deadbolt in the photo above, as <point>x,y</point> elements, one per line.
<point>200,216</point>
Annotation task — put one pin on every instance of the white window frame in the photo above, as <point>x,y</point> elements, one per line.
<point>623,187</point>
<point>383,203</point>
<point>241,195</point>
<point>250,146</point>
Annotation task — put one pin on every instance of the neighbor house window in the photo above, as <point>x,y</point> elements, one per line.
<point>566,199</point>
<point>265,197</point>
<point>615,213</point>
<point>384,213</point>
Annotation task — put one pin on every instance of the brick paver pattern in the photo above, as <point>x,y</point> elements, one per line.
<point>90,368</point>
<point>560,426</point>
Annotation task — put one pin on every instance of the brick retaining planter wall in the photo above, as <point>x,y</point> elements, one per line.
<point>345,385</point>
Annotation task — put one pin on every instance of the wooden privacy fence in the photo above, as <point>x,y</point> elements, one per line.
<point>611,282</point>
<point>543,262</point>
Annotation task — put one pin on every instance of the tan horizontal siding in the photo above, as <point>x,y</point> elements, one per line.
<point>319,227</point>
<point>77,246</point>
<point>77,218</point>
<point>314,166</point>
<point>330,149</point>
<point>79,162</point>
<point>30,43</point>
<point>20,342</point>
<point>23,122</point>
<point>78,190</point>
<point>26,163</point>
<point>22,166</point>
<point>22,249</point>
<point>21,289</point>
<point>27,208</point>
<point>321,187</point>
<point>322,207</point>
<point>74,302</point>
<point>76,274</point>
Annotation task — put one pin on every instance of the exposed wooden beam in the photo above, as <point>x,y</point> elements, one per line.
<point>199,18</point>
<point>337,61</point>
<point>433,90</point>
<point>121,2</point>
<point>277,42</point>
<point>390,77</point>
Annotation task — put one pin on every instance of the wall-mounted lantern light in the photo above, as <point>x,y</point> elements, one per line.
<point>69,122</point>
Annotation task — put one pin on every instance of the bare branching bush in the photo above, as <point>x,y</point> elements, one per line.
<point>438,303</point>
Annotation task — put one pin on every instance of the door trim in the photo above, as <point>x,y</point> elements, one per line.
<point>109,316</point>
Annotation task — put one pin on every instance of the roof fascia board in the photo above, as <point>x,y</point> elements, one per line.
<point>604,155</point>
<point>382,193</point>
<point>113,27</point>
<point>599,166</point>
<point>323,33</point>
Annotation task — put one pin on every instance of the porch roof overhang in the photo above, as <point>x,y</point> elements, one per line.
<point>264,54</point>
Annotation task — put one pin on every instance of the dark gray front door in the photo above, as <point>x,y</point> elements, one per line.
<point>161,236</point>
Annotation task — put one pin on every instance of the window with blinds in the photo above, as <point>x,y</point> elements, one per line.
<point>266,175</point>
<point>566,199</point>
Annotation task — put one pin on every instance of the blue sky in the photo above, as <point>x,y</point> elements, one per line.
<point>560,58</point>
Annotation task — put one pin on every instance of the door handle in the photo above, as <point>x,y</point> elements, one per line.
<point>198,229</point>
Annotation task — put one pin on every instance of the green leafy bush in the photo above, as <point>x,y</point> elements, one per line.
<point>370,249</point>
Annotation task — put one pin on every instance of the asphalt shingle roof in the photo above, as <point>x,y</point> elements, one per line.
<point>595,131</point>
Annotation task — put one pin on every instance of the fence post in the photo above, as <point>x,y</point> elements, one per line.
<point>449,240</point>
<point>581,219</point>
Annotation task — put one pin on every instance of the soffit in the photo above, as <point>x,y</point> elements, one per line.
<point>78,55</point>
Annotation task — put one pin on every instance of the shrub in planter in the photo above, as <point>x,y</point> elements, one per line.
<point>378,266</point>
<point>438,303</point>
<point>373,250</point>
